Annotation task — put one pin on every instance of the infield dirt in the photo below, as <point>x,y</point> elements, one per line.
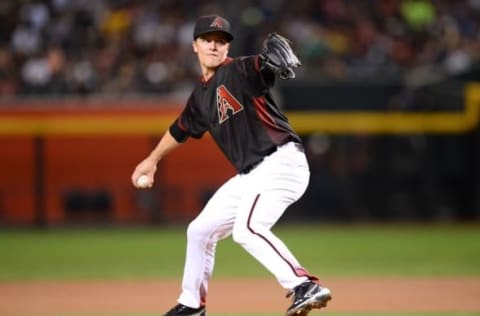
<point>237,296</point>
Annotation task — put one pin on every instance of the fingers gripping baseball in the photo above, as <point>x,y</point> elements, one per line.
<point>143,175</point>
<point>278,55</point>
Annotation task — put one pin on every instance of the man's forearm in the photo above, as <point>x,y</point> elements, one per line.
<point>166,144</point>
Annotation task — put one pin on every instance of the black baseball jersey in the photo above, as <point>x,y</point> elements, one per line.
<point>236,107</point>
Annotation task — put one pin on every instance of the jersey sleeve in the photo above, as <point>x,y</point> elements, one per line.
<point>178,132</point>
<point>188,123</point>
<point>252,69</point>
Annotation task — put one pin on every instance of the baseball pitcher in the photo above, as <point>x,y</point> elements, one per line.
<point>233,103</point>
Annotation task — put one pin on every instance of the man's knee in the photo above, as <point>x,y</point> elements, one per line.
<point>243,235</point>
<point>240,235</point>
<point>196,231</point>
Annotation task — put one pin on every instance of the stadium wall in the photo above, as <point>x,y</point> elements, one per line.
<point>70,161</point>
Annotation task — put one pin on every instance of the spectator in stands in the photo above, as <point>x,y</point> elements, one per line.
<point>126,46</point>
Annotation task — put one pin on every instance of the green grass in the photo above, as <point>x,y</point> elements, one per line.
<point>343,250</point>
<point>401,250</point>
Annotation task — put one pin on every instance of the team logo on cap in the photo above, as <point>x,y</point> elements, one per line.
<point>217,22</point>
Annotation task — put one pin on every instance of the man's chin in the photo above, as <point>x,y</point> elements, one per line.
<point>214,64</point>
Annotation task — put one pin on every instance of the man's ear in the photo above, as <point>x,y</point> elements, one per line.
<point>194,46</point>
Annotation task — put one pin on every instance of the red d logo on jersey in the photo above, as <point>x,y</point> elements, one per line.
<point>227,105</point>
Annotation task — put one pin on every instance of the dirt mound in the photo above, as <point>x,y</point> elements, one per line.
<point>237,296</point>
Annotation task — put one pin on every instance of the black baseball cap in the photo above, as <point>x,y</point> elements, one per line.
<point>212,23</point>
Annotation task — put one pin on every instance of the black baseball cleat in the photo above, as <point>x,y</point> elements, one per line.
<point>182,310</point>
<point>307,296</point>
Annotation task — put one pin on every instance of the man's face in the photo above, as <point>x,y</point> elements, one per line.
<point>212,49</point>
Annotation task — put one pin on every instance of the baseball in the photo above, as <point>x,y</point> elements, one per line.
<point>143,182</point>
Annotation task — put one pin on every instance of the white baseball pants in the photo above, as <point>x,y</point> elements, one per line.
<point>246,207</point>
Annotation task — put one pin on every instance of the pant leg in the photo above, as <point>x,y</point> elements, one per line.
<point>275,184</point>
<point>214,223</point>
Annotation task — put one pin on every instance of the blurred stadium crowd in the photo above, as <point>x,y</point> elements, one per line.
<point>59,47</point>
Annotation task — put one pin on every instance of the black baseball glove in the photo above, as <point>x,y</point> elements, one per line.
<point>278,55</point>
